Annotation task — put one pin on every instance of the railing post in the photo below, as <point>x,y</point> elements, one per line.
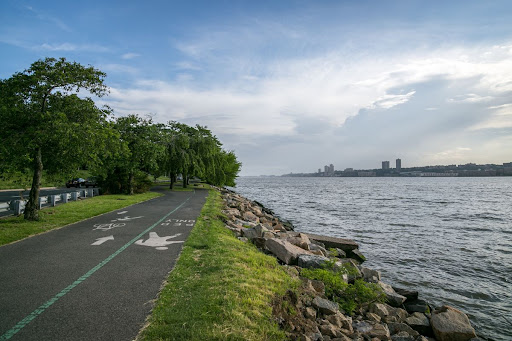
<point>53,200</point>
<point>74,196</point>
<point>64,197</point>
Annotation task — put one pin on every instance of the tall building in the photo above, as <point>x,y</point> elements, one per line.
<point>398,165</point>
<point>385,164</point>
<point>326,170</point>
<point>331,169</point>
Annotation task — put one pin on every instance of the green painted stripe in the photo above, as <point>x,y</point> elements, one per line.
<point>20,325</point>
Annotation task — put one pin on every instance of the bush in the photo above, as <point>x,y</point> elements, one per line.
<point>348,296</point>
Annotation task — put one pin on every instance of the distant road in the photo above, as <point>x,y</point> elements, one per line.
<point>96,279</point>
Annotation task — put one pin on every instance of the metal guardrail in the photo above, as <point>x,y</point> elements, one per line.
<point>17,207</point>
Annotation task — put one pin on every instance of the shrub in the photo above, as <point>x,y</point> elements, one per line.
<point>348,296</point>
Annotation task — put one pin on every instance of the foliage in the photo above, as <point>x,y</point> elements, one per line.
<point>134,155</point>
<point>220,289</point>
<point>348,296</point>
<point>44,124</point>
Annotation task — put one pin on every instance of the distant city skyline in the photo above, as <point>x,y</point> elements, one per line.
<point>292,84</point>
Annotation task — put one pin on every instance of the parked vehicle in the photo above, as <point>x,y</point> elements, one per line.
<point>91,182</point>
<point>76,182</point>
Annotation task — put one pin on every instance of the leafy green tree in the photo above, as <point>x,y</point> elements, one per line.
<point>45,124</point>
<point>177,148</point>
<point>137,155</point>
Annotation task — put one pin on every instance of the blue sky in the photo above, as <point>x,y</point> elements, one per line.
<point>294,85</point>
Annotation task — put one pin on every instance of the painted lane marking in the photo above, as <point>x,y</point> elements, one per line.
<point>122,212</point>
<point>159,243</point>
<point>100,241</point>
<point>29,318</point>
<point>127,218</point>
<point>106,227</point>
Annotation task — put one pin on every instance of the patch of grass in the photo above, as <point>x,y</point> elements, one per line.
<point>178,187</point>
<point>348,296</point>
<point>220,289</point>
<point>16,228</point>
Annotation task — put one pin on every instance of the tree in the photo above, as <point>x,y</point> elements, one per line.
<point>45,124</point>
<point>140,150</point>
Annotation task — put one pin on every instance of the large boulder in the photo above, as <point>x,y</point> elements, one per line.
<point>285,251</point>
<point>419,305</point>
<point>300,239</point>
<point>250,233</point>
<point>394,299</point>
<point>333,242</point>
<point>420,323</point>
<point>311,261</point>
<point>249,216</point>
<point>369,275</point>
<point>324,306</point>
<point>450,324</point>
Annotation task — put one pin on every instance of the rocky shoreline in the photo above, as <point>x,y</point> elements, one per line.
<point>307,313</point>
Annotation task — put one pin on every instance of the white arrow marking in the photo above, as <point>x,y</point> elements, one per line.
<point>127,218</point>
<point>159,243</point>
<point>100,241</point>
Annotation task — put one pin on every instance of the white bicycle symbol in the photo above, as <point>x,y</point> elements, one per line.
<point>105,227</point>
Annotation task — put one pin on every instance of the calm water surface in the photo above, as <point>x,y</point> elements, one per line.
<point>449,238</point>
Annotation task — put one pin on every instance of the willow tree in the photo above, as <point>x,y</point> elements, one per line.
<point>45,123</point>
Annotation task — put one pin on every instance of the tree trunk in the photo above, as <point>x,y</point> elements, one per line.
<point>184,176</point>
<point>130,183</point>
<point>171,186</point>
<point>32,207</point>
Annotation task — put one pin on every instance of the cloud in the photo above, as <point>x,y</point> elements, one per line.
<point>130,55</point>
<point>45,17</point>
<point>71,47</point>
<point>415,105</point>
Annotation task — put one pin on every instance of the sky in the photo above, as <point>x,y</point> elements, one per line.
<point>291,86</point>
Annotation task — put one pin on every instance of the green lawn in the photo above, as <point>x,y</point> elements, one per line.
<point>16,228</point>
<point>220,289</point>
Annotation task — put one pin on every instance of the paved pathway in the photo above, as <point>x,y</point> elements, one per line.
<point>96,279</point>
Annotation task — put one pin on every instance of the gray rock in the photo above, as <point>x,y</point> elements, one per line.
<point>450,324</point>
<point>249,216</point>
<point>328,330</point>
<point>402,336</point>
<point>420,323</point>
<point>380,331</point>
<point>395,328</point>
<point>311,261</point>
<point>357,255</point>
<point>333,242</point>
<point>325,306</point>
<point>410,295</point>
<point>243,239</point>
<point>392,297</point>
<point>284,251</point>
<point>369,275</point>
<point>419,305</point>
<point>259,242</point>
<point>379,309</point>
<point>260,230</point>
<point>250,233</point>
<point>315,247</point>
<point>362,327</point>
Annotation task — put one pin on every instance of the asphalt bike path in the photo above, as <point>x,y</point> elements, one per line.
<point>96,279</point>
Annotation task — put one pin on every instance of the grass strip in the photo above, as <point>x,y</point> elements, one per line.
<point>220,289</point>
<point>16,228</point>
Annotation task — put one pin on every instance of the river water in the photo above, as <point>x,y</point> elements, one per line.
<point>448,238</point>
